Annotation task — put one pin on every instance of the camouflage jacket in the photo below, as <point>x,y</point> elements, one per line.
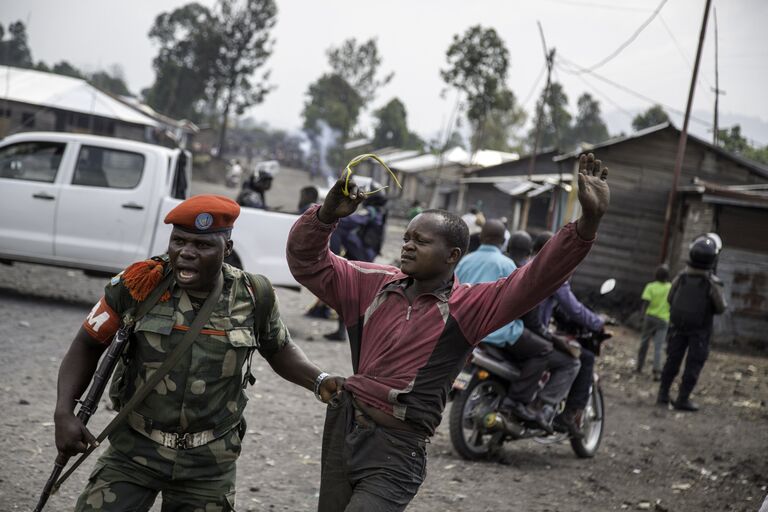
<point>205,389</point>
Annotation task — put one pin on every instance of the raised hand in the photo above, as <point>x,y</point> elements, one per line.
<point>594,195</point>
<point>337,204</point>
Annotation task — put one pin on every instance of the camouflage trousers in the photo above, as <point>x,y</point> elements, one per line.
<point>134,469</point>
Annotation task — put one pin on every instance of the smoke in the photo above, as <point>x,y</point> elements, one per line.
<point>320,143</point>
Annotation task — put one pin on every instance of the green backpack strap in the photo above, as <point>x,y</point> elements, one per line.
<point>263,297</point>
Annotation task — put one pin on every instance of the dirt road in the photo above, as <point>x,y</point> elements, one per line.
<point>650,459</point>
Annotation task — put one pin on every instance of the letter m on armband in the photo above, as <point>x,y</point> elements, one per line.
<point>102,322</point>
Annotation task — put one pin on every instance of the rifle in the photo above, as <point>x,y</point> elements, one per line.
<point>88,406</point>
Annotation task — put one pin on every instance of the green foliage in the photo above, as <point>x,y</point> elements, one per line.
<point>589,125</point>
<point>556,121</point>
<point>358,65</point>
<point>731,139</point>
<point>65,68</point>
<point>114,82</point>
<point>185,65</point>
<point>392,128</point>
<point>14,51</point>
<point>477,66</point>
<point>651,117</point>
<point>331,100</point>
<point>495,131</point>
<point>208,59</point>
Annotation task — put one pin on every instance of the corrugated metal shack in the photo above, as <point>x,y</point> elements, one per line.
<point>739,214</point>
<point>640,172</point>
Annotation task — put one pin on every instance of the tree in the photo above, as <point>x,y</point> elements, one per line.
<point>189,39</point>
<point>732,140</point>
<point>358,65</point>
<point>477,66</point>
<point>497,129</point>
<point>651,117</point>
<point>332,104</point>
<point>245,27</point>
<point>113,82</point>
<point>392,127</point>
<point>65,68</point>
<point>556,121</point>
<point>589,125</point>
<point>14,51</point>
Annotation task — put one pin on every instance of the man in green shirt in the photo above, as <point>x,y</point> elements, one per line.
<point>656,319</point>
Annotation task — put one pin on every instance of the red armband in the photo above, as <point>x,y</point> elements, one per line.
<point>102,322</point>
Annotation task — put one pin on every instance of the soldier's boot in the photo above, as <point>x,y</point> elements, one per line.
<point>662,399</point>
<point>684,403</point>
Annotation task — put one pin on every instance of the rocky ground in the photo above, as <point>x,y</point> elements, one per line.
<point>650,459</point>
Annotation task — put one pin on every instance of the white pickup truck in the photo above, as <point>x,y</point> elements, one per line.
<point>98,204</point>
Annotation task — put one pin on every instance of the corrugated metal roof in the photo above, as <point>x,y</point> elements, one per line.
<point>755,167</point>
<point>454,156</point>
<point>65,93</point>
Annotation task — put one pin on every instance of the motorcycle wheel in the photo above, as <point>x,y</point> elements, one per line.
<point>592,425</point>
<point>470,438</point>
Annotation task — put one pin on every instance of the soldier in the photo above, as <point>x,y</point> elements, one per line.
<point>183,439</point>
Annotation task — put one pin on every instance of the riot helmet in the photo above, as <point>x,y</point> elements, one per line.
<point>703,251</point>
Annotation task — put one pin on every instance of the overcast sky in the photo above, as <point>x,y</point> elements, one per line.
<point>413,36</point>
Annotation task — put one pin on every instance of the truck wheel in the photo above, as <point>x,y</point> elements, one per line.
<point>234,260</point>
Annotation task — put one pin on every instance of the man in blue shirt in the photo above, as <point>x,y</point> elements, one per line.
<point>533,354</point>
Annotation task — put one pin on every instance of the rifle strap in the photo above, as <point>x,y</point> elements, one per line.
<point>186,342</point>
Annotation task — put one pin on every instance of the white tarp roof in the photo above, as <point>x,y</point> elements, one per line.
<point>453,156</point>
<point>65,93</point>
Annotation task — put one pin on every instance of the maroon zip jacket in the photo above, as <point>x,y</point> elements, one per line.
<point>406,356</point>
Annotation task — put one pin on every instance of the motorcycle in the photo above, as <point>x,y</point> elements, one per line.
<point>478,429</point>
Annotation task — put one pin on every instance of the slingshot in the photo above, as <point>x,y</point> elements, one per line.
<point>360,158</point>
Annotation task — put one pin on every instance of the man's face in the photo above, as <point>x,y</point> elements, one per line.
<point>196,259</point>
<point>425,253</point>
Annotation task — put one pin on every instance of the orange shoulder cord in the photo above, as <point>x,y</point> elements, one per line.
<point>142,277</point>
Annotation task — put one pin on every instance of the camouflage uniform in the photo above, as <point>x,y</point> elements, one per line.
<point>204,393</point>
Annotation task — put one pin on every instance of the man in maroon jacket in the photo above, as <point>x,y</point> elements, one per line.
<point>410,330</point>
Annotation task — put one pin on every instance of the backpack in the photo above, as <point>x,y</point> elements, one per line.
<point>691,307</point>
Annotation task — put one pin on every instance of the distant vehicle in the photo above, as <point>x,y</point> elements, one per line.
<point>98,203</point>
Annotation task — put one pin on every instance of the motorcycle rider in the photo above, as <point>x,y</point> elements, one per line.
<point>570,419</point>
<point>488,264</point>
<point>563,363</point>
<point>695,297</point>
<point>252,193</point>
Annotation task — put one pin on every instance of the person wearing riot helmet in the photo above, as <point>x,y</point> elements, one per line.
<point>695,297</point>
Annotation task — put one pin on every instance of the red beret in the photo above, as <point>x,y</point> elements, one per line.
<point>204,214</point>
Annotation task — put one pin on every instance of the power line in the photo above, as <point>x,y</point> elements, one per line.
<point>631,38</point>
<point>680,48</point>
<point>535,85</point>
<point>607,98</point>
<point>577,70</point>
<point>600,6</point>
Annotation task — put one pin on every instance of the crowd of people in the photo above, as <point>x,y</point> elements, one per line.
<point>409,327</point>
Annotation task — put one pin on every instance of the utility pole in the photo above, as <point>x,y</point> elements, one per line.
<point>716,89</point>
<point>683,139</point>
<point>549,55</point>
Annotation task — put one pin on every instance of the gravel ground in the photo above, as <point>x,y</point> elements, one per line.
<point>650,459</point>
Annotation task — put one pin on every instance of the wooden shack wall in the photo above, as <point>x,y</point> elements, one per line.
<point>640,177</point>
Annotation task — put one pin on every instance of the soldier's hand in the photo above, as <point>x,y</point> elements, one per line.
<point>338,205</point>
<point>71,435</point>
<point>330,386</point>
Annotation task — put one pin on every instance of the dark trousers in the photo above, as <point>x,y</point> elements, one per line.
<point>368,468</point>
<point>530,351</point>
<point>696,343</point>
<point>579,395</point>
